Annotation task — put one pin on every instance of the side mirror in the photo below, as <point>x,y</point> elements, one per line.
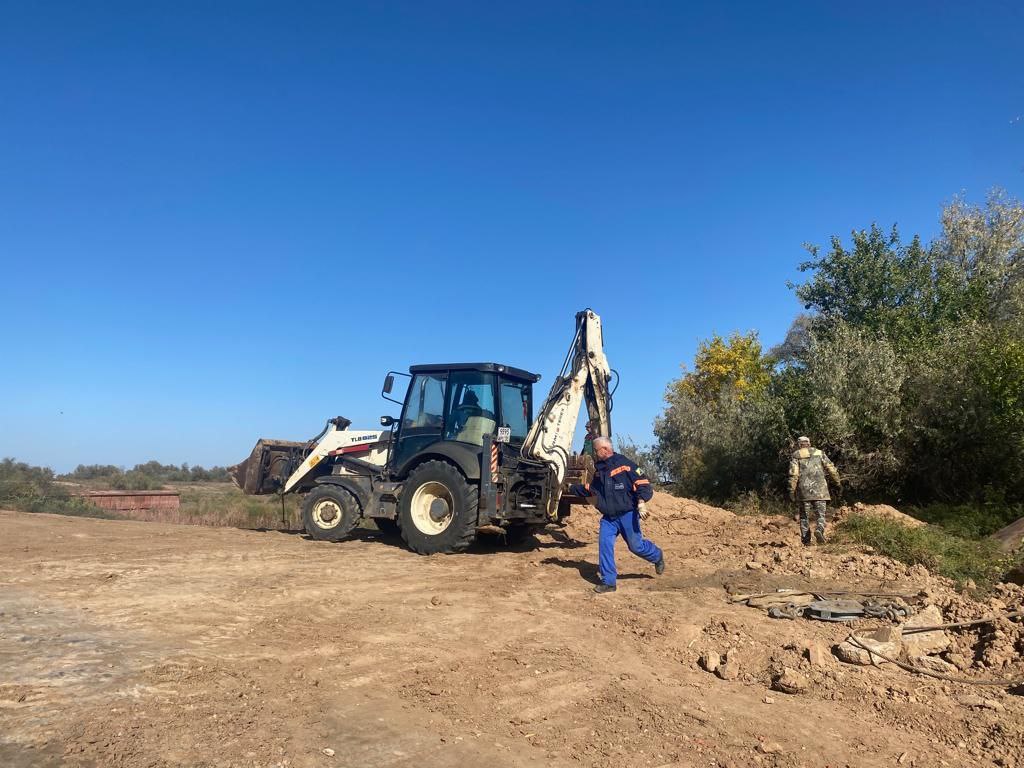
<point>389,383</point>
<point>387,421</point>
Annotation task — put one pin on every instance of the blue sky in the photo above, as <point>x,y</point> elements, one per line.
<point>220,221</point>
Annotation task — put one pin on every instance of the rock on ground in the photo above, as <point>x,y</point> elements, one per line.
<point>925,643</point>
<point>790,681</point>
<point>886,640</point>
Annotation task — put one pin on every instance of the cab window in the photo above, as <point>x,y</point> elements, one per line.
<point>471,413</point>
<point>515,408</point>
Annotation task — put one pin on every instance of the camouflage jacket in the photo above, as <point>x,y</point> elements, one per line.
<point>807,470</point>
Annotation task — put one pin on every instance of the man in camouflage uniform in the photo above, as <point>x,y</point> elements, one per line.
<point>807,469</point>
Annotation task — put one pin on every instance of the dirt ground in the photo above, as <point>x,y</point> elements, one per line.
<point>131,644</point>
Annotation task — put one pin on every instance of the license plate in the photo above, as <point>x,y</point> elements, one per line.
<point>504,434</point>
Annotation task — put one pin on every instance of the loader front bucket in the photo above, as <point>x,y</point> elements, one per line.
<point>268,466</point>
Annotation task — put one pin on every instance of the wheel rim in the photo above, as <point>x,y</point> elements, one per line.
<point>432,508</point>
<point>327,514</point>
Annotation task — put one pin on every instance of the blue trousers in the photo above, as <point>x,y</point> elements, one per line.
<point>628,526</point>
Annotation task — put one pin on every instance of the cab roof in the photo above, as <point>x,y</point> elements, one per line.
<point>505,370</point>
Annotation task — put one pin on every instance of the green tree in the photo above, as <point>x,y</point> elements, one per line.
<point>736,365</point>
<point>979,260</point>
<point>880,284</point>
<point>722,432</point>
<point>854,380</point>
<point>908,370</point>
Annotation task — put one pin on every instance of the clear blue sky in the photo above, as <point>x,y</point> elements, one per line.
<point>226,220</point>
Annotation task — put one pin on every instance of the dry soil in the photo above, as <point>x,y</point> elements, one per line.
<point>129,644</point>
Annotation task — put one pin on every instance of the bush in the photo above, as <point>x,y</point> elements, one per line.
<point>135,481</point>
<point>854,380</point>
<point>753,503</point>
<point>27,488</point>
<point>642,456</point>
<point>720,449</point>
<point>938,551</point>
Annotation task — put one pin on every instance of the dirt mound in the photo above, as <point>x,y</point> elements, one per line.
<point>878,510</point>
<point>668,514</point>
<point>666,507</point>
<point>1011,537</point>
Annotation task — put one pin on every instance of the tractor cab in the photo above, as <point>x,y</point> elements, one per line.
<point>449,408</point>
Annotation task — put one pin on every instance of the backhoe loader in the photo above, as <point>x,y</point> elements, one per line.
<point>464,457</point>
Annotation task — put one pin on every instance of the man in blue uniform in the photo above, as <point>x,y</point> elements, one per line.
<point>619,489</point>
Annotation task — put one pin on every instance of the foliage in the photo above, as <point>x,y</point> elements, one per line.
<point>968,521</point>
<point>853,381</point>
<point>880,285</point>
<point>147,476</point>
<point>736,365</point>
<point>907,369</point>
<point>33,489</point>
<point>940,552</point>
<point>979,259</point>
<point>718,449</point>
<point>964,419</point>
<point>229,506</point>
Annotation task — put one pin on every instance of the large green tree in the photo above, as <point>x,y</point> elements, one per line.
<point>908,367</point>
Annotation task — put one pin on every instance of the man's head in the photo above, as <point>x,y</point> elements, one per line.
<point>603,448</point>
<point>803,442</point>
<point>470,398</point>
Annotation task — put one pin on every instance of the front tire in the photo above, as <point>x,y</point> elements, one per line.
<point>438,509</point>
<point>329,513</point>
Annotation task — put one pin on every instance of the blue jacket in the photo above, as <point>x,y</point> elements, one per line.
<point>617,485</point>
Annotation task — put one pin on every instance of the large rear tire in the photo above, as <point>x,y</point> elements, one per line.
<point>437,511</point>
<point>329,513</point>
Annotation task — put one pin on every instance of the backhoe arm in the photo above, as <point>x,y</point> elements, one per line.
<point>584,377</point>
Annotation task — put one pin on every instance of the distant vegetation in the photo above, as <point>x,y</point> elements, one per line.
<point>144,477</point>
<point>28,488</point>
<point>33,489</point>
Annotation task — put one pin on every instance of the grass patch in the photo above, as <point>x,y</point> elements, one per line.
<point>222,504</point>
<point>968,521</point>
<point>752,503</point>
<point>936,549</point>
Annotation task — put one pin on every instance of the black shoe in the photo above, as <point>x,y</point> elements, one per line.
<point>659,567</point>
<point>806,542</point>
<point>819,537</point>
<point>602,588</point>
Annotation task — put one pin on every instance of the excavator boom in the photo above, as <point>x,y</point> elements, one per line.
<point>584,378</point>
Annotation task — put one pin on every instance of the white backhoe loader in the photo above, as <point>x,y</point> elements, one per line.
<point>464,457</point>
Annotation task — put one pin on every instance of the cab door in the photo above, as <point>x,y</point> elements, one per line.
<point>422,419</point>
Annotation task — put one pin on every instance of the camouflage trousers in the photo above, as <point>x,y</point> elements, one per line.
<point>806,507</point>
